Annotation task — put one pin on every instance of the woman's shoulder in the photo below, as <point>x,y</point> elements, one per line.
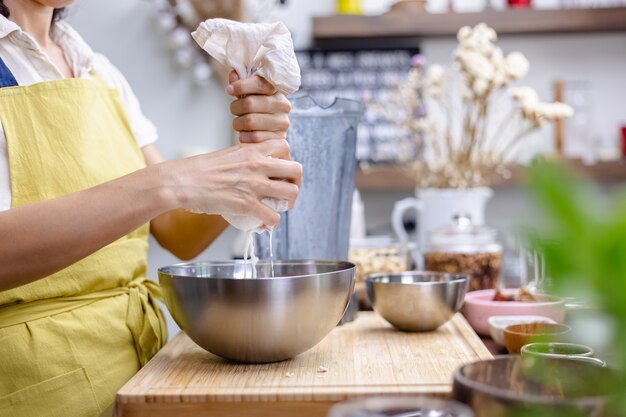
<point>109,73</point>
<point>145,132</point>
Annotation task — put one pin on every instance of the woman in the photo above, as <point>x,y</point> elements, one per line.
<point>80,178</point>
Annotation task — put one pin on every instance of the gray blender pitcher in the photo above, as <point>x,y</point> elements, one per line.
<point>323,140</point>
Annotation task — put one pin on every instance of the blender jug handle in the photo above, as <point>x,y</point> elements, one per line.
<point>399,209</point>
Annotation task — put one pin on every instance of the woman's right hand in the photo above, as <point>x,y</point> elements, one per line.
<point>235,180</point>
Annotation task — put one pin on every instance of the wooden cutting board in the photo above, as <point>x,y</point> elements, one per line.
<point>366,357</point>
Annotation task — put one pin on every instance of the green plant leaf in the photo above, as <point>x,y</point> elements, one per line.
<point>584,245</point>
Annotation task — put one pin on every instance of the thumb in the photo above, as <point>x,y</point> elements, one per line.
<point>233,76</point>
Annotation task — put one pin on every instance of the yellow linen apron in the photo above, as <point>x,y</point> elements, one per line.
<point>69,341</point>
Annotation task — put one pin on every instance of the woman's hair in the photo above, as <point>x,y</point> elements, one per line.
<point>56,15</point>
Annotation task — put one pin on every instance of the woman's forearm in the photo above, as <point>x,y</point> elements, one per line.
<point>40,239</point>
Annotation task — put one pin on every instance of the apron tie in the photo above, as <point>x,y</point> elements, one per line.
<point>143,316</point>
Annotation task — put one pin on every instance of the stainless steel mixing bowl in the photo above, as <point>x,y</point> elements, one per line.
<point>416,301</point>
<point>262,319</point>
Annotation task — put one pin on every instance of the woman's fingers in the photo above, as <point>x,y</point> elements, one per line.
<point>268,216</point>
<point>285,170</point>
<point>261,113</point>
<point>252,85</point>
<point>233,76</point>
<point>261,121</point>
<point>274,148</point>
<point>261,118</point>
<point>276,103</point>
<point>280,190</point>
<point>258,136</point>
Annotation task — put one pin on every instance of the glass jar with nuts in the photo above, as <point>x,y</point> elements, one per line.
<point>377,255</point>
<point>466,249</point>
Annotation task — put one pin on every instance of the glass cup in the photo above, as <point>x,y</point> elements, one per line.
<point>572,351</point>
<point>532,270</point>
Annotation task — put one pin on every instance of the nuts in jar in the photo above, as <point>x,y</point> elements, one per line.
<point>483,268</point>
<point>370,261</point>
<point>466,249</point>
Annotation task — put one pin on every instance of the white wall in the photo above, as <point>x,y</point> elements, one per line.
<point>597,58</point>
<point>192,117</point>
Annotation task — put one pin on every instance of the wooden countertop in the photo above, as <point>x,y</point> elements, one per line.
<point>366,357</point>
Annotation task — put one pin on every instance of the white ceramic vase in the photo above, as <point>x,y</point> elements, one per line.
<point>436,207</point>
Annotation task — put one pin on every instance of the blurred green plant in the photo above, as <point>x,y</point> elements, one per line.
<point>583,240</point>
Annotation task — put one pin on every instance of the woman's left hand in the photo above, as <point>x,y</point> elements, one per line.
<point>261,113</point>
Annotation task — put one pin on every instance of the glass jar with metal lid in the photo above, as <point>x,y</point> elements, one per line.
<point>375,255</point>
<point>466,249</point>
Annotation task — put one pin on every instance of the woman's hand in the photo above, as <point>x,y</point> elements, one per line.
<point>235,180</point>
<point>261,113</point>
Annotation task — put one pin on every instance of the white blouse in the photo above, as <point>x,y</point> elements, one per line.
<point>30,65</point>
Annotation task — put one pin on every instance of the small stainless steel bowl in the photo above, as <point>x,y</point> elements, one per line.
<point>416,301</point>
<point>257,320</point>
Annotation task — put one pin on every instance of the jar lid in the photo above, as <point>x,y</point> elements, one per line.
<point>380,242</point>
<point>463,233</point>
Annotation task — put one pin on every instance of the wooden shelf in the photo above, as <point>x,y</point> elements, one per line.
<point>392,178</point>
<point>419,25</point>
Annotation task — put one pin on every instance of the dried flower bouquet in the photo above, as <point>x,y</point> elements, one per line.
<point>451,115</point>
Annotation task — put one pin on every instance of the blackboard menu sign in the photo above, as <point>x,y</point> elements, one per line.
<point>364,75</point>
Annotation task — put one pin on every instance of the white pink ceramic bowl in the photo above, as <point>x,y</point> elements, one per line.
<point>479,306</point>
